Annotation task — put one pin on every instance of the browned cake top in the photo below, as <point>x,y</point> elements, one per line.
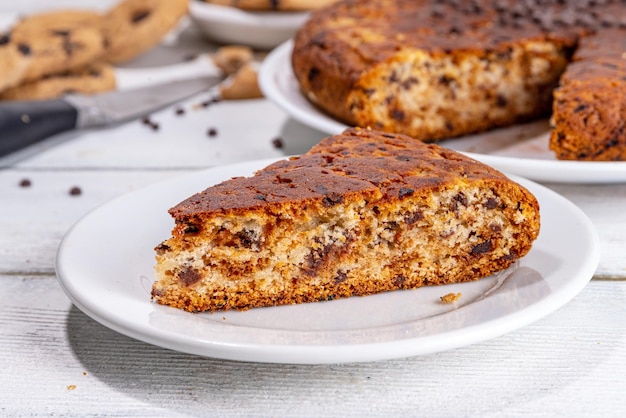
<point>600,58</point>
<point>605,43</point>
<point>387,166</point>
<point>378,29</point>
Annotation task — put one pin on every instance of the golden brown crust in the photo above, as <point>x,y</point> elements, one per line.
<point>361,213</point>
<point>589,115</point>
<point>439,69</point>
<point>356,161</point>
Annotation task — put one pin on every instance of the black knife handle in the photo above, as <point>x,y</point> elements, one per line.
<point>23,123</point>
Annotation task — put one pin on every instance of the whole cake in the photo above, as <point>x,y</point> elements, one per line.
<point>362,212</point>
<point>440,69</point>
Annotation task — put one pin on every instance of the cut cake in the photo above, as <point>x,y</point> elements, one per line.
<point>441,69</point>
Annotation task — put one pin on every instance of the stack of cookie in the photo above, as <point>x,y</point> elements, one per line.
<point>72,51</point>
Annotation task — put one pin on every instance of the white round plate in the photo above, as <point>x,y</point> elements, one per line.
<point>105,265</point>
<point>521,149</point>
<point>230,25</point>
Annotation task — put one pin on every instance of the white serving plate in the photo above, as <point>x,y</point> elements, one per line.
<point>105,265</point>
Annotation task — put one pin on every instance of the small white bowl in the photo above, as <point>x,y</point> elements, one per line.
<point>229,25</point>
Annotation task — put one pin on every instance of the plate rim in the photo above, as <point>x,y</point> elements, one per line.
<point>265,19</point>
<point>261,30</point>
<point>559,171</point>
<point>323,354</point>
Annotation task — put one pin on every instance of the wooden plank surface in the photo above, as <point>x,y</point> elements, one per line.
<point>54,360</point>
<point>605,205</point>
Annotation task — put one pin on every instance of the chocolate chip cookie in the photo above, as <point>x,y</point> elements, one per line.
<point>134,26</point>
<point>58,41</point>
<point>94,78</point>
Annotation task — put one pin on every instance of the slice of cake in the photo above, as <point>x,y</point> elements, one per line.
<point>362,212</point>
<point>589,115</point>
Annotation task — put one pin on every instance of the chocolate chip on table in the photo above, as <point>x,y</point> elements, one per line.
<point>277,143</point>
<point>75,191</point>
<point>25,183</point>
<point>190,57</point>
<point>212,132</point>
<point>179,111</point>
<point>149,122</point>
<point>208,102</point>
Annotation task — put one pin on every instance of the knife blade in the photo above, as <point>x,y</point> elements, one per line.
<point>23,123</point>
<point>133,77</point>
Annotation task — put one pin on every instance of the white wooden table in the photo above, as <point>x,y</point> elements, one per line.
<point>55,360</point>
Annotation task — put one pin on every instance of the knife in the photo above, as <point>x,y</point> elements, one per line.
<point>23,123</point>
